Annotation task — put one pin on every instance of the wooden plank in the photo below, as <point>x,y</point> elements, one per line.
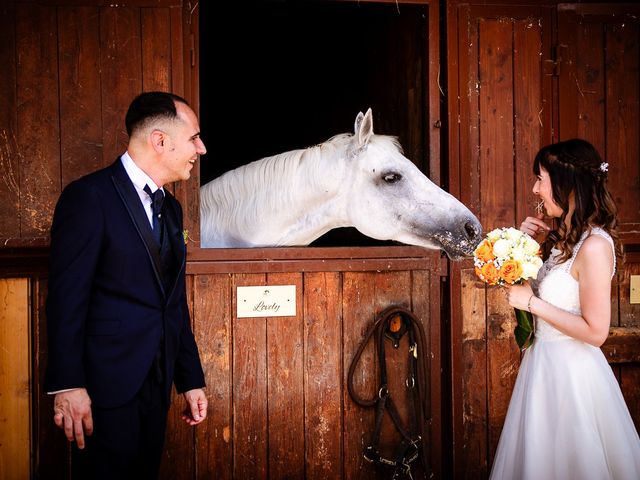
<point>156,49</point>
<point>178,455</point>
<point>503,361</point>
<point>425,304</point>
<point>567,93</point>
<point>321,253</point>
<point>107,3</point>
<point>358,300</point>
<point>121,74</point>
<point>528,111</point>
<point>212,329</point>
<point>80,119</point>
<point>473,461</point>
<point>350,265</point>
<point>285,386</point>
<point>323,389</point>
<point>9,159</point>
<point>470,112</point>
<point>623,122</point>
<point>496,122</point>
<point>589,82</point>
<point>15,358</point>
<point>250,434</point>
<point>37,117</point>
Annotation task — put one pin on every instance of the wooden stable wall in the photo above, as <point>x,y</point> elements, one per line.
<point>526,76</point>
<point>279,407</point>
<point>516,78</point>
<point>278,403</point>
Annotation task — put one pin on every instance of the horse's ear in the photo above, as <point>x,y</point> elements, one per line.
<point>363,128</point>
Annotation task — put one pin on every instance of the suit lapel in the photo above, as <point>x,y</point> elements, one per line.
<point>131,201</point>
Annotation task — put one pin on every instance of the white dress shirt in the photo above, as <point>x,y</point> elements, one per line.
<point>139,180</point>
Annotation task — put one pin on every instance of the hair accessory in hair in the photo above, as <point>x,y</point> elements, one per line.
<point>604,167</point>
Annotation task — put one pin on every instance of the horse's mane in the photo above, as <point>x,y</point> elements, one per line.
<point>242,192</point>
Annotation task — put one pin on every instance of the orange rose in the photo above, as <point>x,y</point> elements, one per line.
<point>489,273</point>
<point>510,271</point>
<point>484,251</point>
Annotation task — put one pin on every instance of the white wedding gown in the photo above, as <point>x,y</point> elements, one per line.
<point>567,418</point>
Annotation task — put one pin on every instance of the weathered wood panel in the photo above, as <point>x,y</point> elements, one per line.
<point>474,393</point>
<point>323,382</point>
<point>505,115</point>
<point>495,68</point>
<point>80,105</point>
<point>15,378</point>
<point>38,131</point>
<point>121,78</point>
<point>213,327</point>
<point>359,295</point>
<point>565,83</point>
<point>285,390</point>
<point>598,76</point>
<point>250,390</point>
<point>9,152</point>
<point>278,405</point>
<point>70,69</point>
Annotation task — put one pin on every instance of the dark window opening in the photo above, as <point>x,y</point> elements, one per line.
<point>281,75</point>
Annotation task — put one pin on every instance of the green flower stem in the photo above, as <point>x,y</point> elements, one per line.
<point>524,329</point>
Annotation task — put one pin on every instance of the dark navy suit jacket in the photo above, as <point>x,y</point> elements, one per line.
<point>107,308</point>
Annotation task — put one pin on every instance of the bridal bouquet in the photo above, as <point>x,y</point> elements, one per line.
<point>508,256</point>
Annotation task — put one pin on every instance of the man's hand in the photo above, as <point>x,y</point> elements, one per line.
<point>196,409</point>
<point>72,412</point>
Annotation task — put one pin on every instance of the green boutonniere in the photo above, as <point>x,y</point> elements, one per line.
<point>185,236</point>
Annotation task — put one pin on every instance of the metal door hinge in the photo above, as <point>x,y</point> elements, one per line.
<point>552,66</point>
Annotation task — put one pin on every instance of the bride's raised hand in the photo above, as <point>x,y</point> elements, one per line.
<point>518,296</point>
<point>534,225</point>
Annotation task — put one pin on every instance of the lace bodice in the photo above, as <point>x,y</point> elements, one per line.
<point>556,285</point>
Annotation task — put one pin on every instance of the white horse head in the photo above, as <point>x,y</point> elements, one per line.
<point>361,180</point>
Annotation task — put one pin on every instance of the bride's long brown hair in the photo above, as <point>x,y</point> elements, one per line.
<point>575,167</point>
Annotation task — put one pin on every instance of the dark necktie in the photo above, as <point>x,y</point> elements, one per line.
<point>157,198</point>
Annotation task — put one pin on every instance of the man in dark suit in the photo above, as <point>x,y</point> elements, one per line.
<point>117,319</point>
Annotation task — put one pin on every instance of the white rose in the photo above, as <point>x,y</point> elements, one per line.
<point>518,255</point>
<point>513,234</point>
<point>501,248</point>
<point>531,247</point>
<point>529,270</point>
<point>494,235</point>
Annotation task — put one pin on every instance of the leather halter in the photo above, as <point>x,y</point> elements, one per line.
<point>412,445</point>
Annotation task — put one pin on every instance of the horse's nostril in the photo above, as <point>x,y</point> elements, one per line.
<point>471,230</point>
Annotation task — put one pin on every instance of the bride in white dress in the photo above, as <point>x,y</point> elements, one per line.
<point>567,418</point>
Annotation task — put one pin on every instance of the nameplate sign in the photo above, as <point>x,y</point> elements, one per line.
<point>267,301</point>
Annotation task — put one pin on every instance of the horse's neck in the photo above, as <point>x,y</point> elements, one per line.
<point>288,199</point>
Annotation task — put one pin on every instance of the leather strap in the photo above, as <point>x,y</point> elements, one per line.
<point>412,445</point>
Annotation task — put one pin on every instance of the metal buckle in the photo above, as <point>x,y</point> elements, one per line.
<point>383,392</point>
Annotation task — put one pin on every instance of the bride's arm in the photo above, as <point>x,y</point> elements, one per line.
<point>593,267</point>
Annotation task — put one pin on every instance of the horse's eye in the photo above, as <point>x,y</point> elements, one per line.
<point>392,177</point>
